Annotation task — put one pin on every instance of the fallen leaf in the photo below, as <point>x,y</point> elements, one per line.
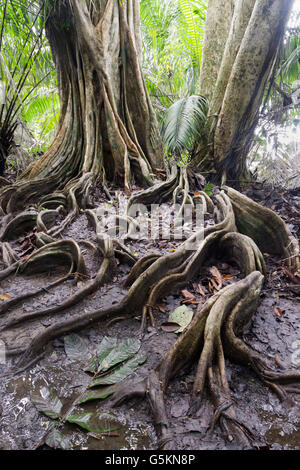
<point>279,312</point>
<point>169,326</point>
<point>183,316</point>
<point>190,302</point>
<point>280,363</point>
<point>162,308</point>
<point>291,275</point>
<point>188,295</point>
<point>217,275</point>
<point>47,402</point>
<point>200,290</point>
<point>210,286</point>
<point>4,296</point>
<point>56,440</point>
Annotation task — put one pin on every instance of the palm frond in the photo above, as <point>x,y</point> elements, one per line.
<point>183,123</point>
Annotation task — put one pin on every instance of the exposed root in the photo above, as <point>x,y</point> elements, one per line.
<point>47,219</point>
<point>9,256</point>
<point>19,225</point>
<point>156,194</point>
<point>281,382</point>
<point>214,331</point>
<point>139,291</point>
<point>243,252</point>
<point>263,226</point>
<point>182,191</point>
<point>205,200</point>
<point>60,253</point>
<point>105,274</point>
<point>5,306</point>
<point>77,198</point>
<point>203,336</point>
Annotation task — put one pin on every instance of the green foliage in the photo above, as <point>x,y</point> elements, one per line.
<point>172,36</point>
<point>26,72</point>
<point>183,124</point>
<point>194,15</point>
<point>207,189</point>
<point>111,364</point>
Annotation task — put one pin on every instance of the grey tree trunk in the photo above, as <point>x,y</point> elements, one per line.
<point>249,54</point>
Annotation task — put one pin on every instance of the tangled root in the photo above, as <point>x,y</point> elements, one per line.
<point>242,231</point>
<point>211,336</point>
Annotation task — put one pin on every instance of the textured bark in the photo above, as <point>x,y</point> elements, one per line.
<point>251,70</point>
<point>249,55</point>
<point>219,16</point>
<point>107,124</point>
<point>239,23</point>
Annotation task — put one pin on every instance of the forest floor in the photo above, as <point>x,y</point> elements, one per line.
<point>274,331</point>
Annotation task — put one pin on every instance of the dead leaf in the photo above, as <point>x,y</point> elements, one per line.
<point>217,275</point>
<point>200,290</point>
<point>214,284</point>
<point>280,363</point>
<point>190,302</point>
<point>210,286</point>
<point>279,312</point>
<point>188,295</point>
<point>170,326</point>
<point>291,276</point>
<point>162,308</point>
<point>5,296</point>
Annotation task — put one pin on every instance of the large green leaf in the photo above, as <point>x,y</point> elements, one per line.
<point>119,373</point>
<point>123,351</point>
<point>94,422</point>
<point>47,402</point>
<point>97,394</point>
<point>105,347</point>
<point>76,348</point>
<point>57,440</point>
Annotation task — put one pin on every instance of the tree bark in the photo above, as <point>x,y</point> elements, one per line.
<point>218,21</point>
<point>249,56</point>
<point>107,125</point>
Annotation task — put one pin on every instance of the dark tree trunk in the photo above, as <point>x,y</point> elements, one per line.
<point>107,125</point>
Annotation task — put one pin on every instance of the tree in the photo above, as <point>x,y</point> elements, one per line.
<point>108,131</point>
<point>240,51</point>
<point>107,126</point>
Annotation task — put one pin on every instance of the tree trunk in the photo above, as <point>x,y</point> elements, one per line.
<point>250,53</point>
<point>107,125</point>
<point>218,21</point>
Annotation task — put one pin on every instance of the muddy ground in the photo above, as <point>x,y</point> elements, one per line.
<point>274,331</point>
